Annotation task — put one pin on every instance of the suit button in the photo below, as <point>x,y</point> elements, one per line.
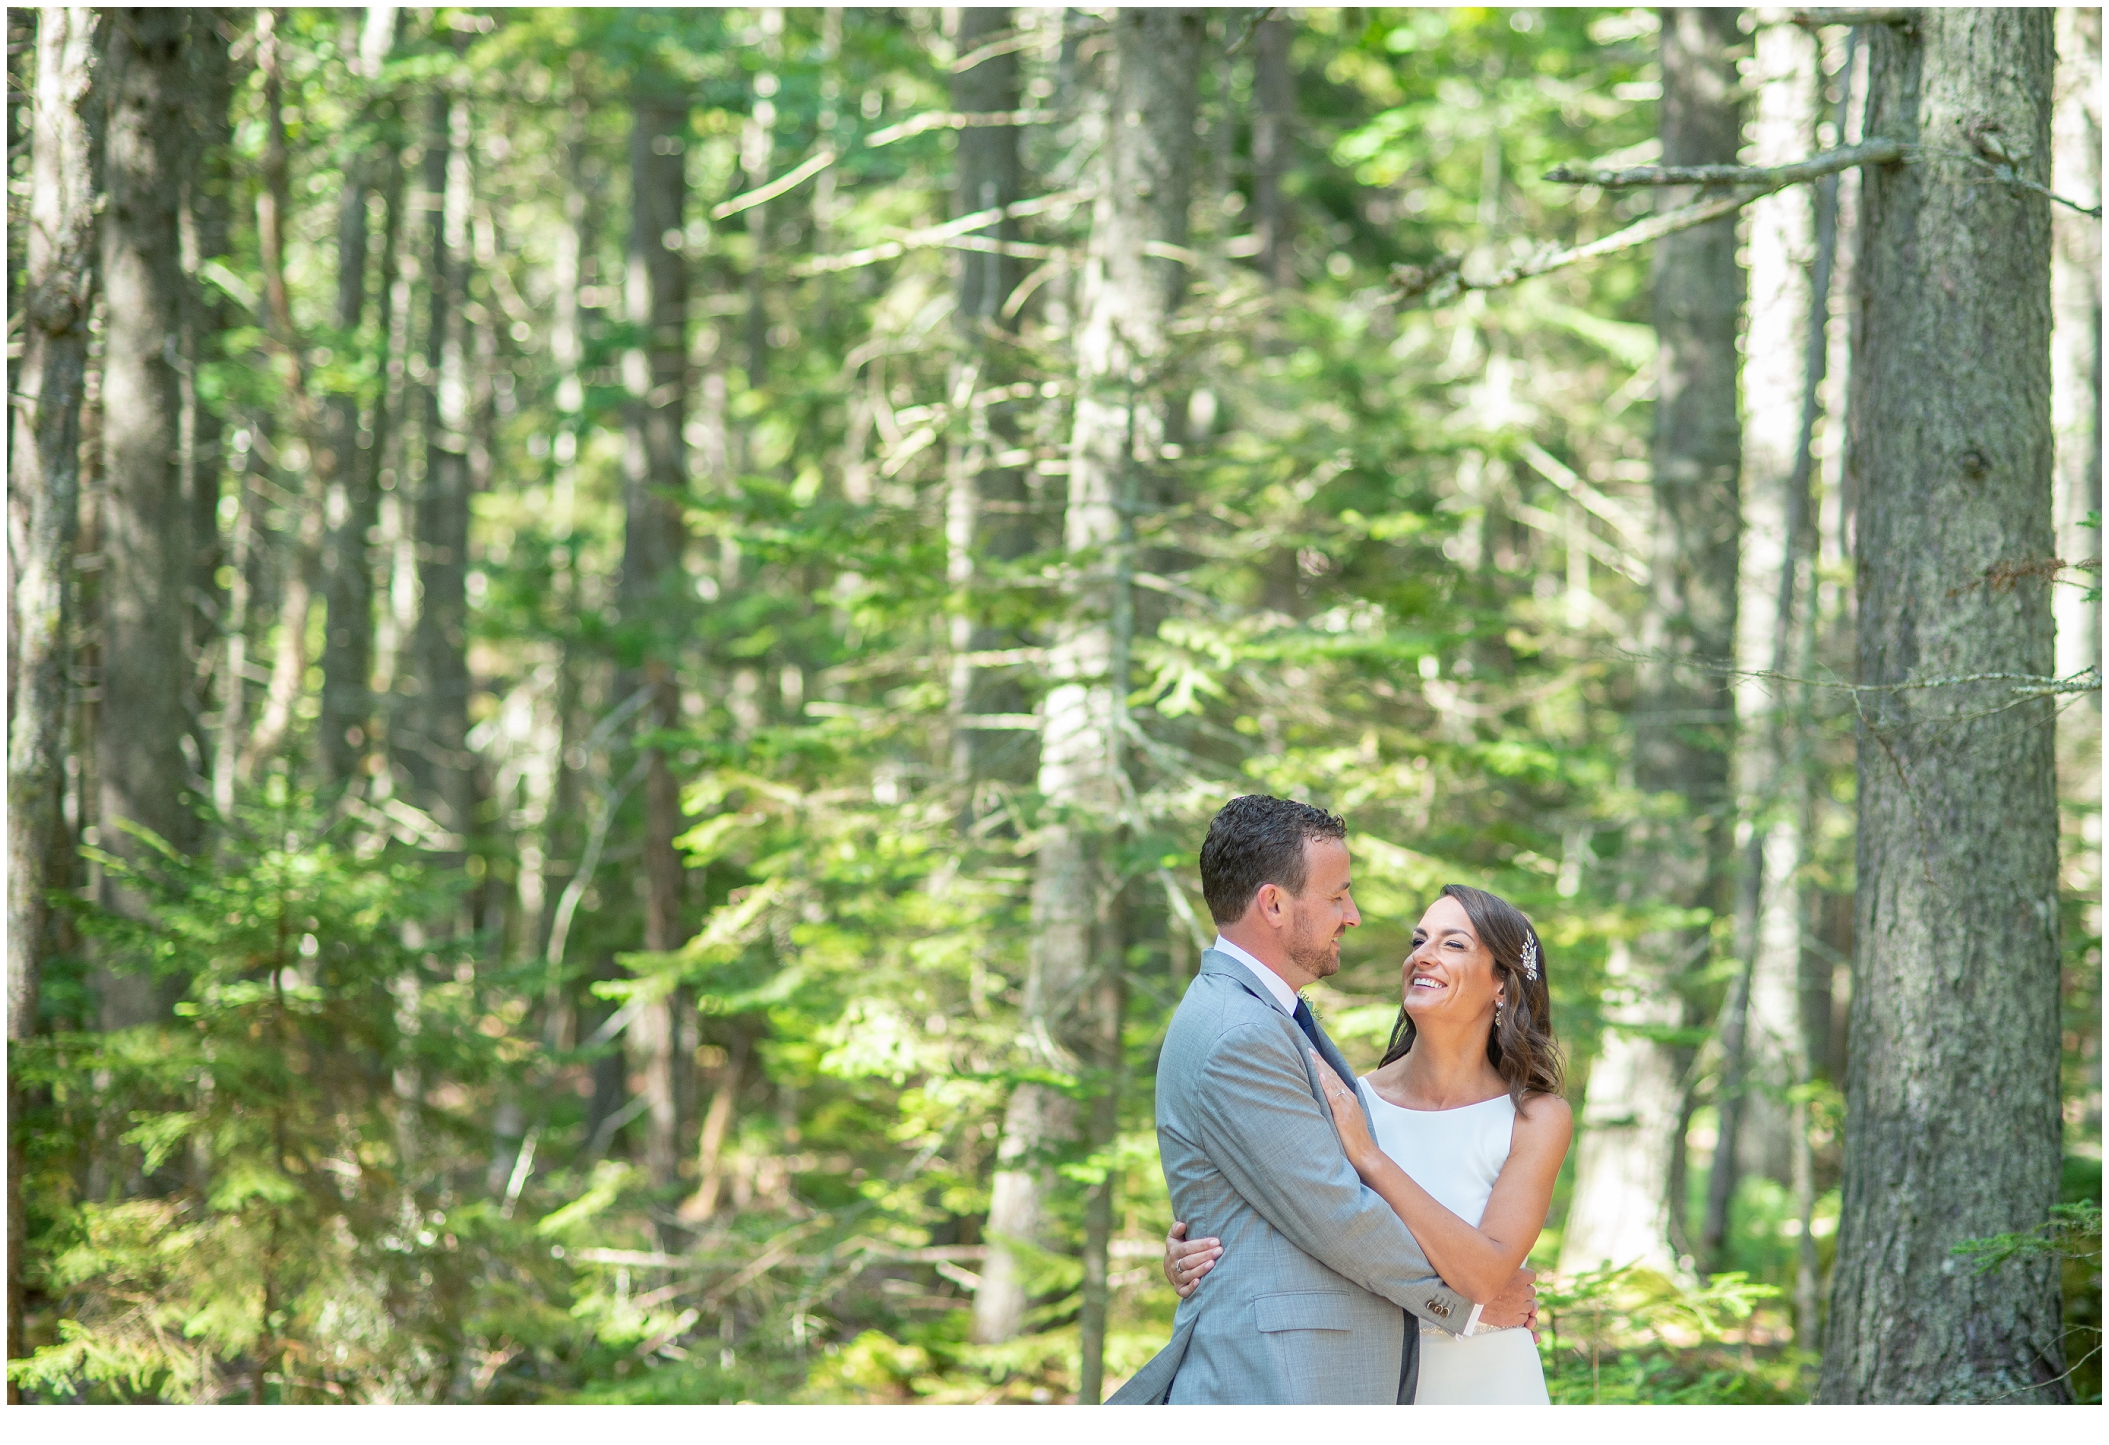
<point>1437,1308</point>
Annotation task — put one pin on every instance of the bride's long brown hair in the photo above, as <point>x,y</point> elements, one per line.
<point>1520,1046</point>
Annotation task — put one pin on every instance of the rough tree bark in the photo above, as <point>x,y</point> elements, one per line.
<point>1954,1034</point>
<point>655,479</point>
<point>1627,1203</point>
<point>1791,242</point>
<point>2076,332</point>
<point>989,175</point>
<point>146,529</point>
<point>43,512</point>
<point>1074,994</point>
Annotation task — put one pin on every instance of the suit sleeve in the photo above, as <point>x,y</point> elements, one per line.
<point>1263,1128</point>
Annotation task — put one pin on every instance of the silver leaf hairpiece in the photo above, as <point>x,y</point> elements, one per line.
<point>1530,958</point>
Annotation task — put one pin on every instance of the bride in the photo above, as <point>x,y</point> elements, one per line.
<point>1470,1133</point>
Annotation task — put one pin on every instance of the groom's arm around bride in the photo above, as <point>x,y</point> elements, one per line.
<point>1309,1302</point>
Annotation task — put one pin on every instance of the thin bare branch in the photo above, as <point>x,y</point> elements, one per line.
<point>931,120</point>
<point>1871,152</point>
<point>1874,152</point>
<point>812,166</point>
<point>2022,684</point>
<point>939,235</point>
<point>1443,279</point>
<point>1879,15</point>
<point>1021,40</point>
<point>1252,27</point>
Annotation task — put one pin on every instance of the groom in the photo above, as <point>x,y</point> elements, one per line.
<point>1314,1298</point>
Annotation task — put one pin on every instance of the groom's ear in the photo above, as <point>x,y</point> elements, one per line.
<point>1270,901</point>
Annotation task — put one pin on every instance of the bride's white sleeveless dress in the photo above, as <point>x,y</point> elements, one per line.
<point>1456,1154</point>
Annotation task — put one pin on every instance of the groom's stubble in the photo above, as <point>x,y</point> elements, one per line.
<point>1321,911</point>
<point>1314,946</point>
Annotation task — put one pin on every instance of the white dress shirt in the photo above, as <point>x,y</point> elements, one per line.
<point>1277,987</point>
<point>1285,999</point>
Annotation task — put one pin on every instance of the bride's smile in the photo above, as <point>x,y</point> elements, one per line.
<point>1448,970</point>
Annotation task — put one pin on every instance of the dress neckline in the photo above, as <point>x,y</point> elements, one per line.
<point>1372,1088</point>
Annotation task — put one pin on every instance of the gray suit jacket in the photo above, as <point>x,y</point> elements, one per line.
<point>1305,1306</point>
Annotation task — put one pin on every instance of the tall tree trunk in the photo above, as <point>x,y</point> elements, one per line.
<point>1627,1198</point>
<point>353,504</point>
<point>1791,242</point>
<point>655,482</point>
<point>567,337</point>
<point>2076,333</point>
<point>318,459</point>
<point>1954,1037</point>
<point>1074,993</point>
<point>208,186</point>
<point>1789,921</point>
<point>575,1012</point>
<point>146,530</point>
<point>1273,111</point>
<point>1830,623</point>
<point>435,752</point>
<point>43,513</point>
<point>757,144</point>
<point>988,170</point>
<point>22,80</point>
<point>355,507</point>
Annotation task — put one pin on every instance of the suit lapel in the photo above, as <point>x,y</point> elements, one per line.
<point>1337,1061</point>
<point>1216,961</point>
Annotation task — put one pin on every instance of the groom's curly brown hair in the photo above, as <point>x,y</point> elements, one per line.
<point>1254,840</point>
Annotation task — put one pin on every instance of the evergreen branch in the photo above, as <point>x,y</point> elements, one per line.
<point>2073,1231</point>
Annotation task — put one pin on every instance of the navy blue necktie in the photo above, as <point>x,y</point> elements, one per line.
<point>1309,1025</point>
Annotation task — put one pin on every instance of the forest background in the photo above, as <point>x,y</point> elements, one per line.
<point>624,623</point>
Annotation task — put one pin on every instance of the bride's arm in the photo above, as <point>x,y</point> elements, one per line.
<point>1477,1263</point>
